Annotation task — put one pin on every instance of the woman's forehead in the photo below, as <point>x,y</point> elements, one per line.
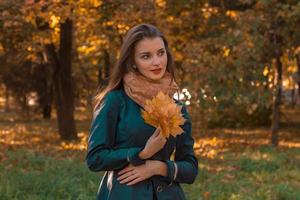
<point>149,45</point>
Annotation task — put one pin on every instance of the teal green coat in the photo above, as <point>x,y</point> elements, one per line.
<point>118,133</point>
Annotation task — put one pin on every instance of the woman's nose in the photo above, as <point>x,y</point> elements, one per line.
<point>156,60</point>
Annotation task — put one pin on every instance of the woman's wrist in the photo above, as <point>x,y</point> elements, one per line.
<point>159,168</point>
<point>143,155</point>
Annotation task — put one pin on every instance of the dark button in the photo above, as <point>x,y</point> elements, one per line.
<point>170,184</point>
<point>159,188</point>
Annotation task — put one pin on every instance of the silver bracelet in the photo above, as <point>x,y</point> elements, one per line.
<point>176,171</point>
<point>127,156</point>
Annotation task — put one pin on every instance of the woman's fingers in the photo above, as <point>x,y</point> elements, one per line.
<point>160,138</point>
<point>126,169</point>
<point>138,174</point>
<point>156,132</point>
<point>125,175</point>
<point>130,178</point>
<point>135,181</point>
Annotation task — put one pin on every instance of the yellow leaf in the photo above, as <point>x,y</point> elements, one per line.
<point>54,21</point>
<point>266,71</point>
<point>163,112</point>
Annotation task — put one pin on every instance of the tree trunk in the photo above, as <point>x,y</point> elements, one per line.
<point>88,86</point>
<point>276,103</point>
<point>47,104</point>
<point>63,84</point>
<point>48,98</point>
<point>6,107</point>
<point>293,97</point>
<point>104,70</point>
<point>298,77</point>
<point>43,85</point>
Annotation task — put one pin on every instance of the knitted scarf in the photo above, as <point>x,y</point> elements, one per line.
<point>140,88</point>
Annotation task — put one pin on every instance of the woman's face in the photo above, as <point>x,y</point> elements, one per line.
<point>150,57</point>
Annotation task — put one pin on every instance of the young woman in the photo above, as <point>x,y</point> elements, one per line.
<point>135,156</point>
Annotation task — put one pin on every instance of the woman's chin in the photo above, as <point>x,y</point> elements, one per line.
<point>156,77</point>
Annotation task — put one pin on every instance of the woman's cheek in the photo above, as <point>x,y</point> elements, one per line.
<point>145,65</point>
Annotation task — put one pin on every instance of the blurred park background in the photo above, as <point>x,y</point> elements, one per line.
<point>237,63</point>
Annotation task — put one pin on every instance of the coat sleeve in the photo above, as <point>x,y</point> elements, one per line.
<point>184,168</point>
<point>101,154</point>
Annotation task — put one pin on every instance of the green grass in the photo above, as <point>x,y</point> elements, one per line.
<point>259,174</point>
<point>263,173</point>
<point>29,175</point>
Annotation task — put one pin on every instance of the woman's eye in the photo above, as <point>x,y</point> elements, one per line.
<point>145,56</point>
<point>161,53</point>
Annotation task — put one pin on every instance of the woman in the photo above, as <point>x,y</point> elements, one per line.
<point>135,156</point>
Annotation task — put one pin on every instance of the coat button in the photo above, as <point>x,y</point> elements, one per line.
<point>159,188</point>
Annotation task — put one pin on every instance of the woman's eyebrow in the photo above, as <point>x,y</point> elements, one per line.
<point>146,52</point>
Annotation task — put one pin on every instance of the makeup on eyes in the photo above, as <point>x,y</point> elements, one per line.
<point>146,55</point>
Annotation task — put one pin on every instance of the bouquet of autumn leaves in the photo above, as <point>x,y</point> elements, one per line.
<point>163,112</point>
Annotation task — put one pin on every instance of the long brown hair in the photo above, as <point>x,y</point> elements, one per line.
<point>126,59</point>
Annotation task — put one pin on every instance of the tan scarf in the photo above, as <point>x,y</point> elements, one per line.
<point>140,88</point>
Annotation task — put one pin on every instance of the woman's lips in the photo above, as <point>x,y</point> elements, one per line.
<point>156,71</point>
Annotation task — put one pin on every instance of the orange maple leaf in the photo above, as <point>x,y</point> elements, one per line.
<point>163,112</point>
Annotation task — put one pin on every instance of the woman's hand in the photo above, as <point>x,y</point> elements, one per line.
<point>155,143</point>
<point>134,174</point>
